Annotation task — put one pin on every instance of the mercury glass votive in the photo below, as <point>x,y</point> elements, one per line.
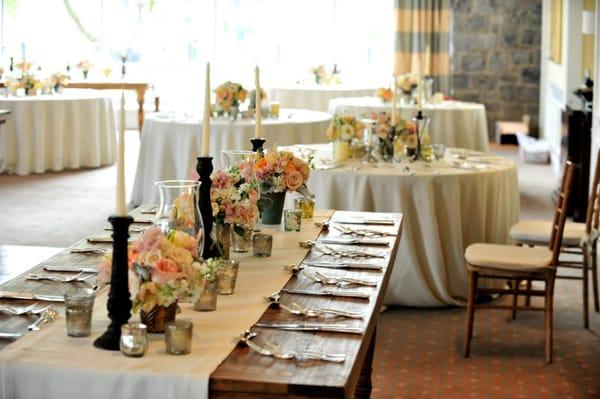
<point>178,337</point>
<point>207,301</point>
<point>292,219</point>
<point>306,206</point>
<point>134,339</point>
<point>262,244</point>
<point>227,275</point>
<point>78,310</point>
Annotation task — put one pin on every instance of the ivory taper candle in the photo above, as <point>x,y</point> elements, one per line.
<point>121,209</point>
<point>207,112</point>
<point>257,102</point>
<point>394,99</point>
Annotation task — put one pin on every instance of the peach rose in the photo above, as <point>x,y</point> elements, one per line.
<point>293,180</point>
<point>165,270</point>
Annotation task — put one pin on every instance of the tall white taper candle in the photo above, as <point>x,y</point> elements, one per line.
<point>394,99</point>
<point>257,110</point>
<point>206,115</point>
<point>121,209</point>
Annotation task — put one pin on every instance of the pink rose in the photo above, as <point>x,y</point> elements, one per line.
<point>165,270</point>
<point>253,196</point>
<point>151,239</point>
<point>293,180</point>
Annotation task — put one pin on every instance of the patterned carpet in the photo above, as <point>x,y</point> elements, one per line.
<point>419,353</point>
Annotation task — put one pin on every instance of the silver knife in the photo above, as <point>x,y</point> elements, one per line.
<point>340,328</point>
<point>143,220</point>
<point>340,293</point>
<point>69,269</point>
<point>332,265</point>
<point>385,222</point>
<point>353,241</point>
<point>31,297</point>
<point>10,335</point>
<point>99,240</point>
<point>86,250</point>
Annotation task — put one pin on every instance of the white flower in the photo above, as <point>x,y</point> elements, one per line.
<point>347,132</point>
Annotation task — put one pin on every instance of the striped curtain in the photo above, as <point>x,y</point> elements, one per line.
<point>422,25</point>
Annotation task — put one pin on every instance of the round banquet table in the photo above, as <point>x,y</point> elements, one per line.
<point>314,97</point>
<point>447,205</point>
<point>170,143</point>
<point>56,132</point>
<point>453,123</point>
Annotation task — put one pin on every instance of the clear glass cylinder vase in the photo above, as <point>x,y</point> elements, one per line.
<point>178,209</point>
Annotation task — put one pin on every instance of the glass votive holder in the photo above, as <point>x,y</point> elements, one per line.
<point>292,219</point>
<point>207,301</point>
<point>178,337</point>
<point>78,310</point>
<point>262,244</point>
<point>134,339</point>
<point>275,106</point>
<point>438,151</point>
<point>227,275</point>
<point>306,206</point>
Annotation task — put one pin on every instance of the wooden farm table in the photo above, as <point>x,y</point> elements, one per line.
<point>71,368</point>
<point>139,88</point>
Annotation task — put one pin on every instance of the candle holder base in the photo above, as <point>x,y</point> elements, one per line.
<point>258,144</point>
<point>204,167</point>
<point>119,303</point>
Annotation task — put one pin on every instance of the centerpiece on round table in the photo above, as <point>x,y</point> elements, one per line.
<point>163,269</point>
<point>343,130</point>
<point>385,94</point>
<point>229,96</point>
<point>234,196</point>
<point>278,172</point>
<point>391,143</point>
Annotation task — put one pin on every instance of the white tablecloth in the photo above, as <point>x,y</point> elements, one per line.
<point>453,123</point>
<point>445,209</point>
<point>56,132</point>
<point>170,144</point>
<point>315,97</point>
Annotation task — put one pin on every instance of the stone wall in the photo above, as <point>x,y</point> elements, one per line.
<point>497,57</point>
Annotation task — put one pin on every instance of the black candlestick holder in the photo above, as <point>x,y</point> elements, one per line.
<point>258,144</point>
<point>204,167</point>
<point>421,122</point>
<point>119,302</point>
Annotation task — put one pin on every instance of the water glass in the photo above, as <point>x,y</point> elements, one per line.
<point>134,339</point>
<point>78,309</point>
<point>439,151</point>
<point>178,337</point>
<point>275,107</point>
<point>306,206</point>
<point>262,244</point>
<point>227,275</point>
<point>292,219</point>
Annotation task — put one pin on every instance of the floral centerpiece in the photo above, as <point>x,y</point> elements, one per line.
<point>234,197</point>
<point>27,82</point>
<point>229,96</point>
<point>342,131</point>
<point>252,96</point>
<point>391,142</point>
<point>84,66</point>
<point>408,83</point>
<point>163,269</point>
<point>24,67</point>
<point>385,94</point>
<point>59,80</point>
<point>278,172</point>
<point>320,74</point>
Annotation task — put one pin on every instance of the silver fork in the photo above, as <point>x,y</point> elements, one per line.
<point>310,311</point>
<point>14,311</point>
<point>304,355</point>
<point>340,281</point>
<point>46,316</point>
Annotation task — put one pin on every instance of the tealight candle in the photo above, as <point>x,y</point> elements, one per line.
<point>227,275</point>
<point>178,337</point>
<point>134,339</point>
<point>292,219</point>
<point>306,206</point>
<point>262,244</point>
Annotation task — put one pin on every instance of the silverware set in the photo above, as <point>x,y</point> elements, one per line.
<point>88,250</point>
<point>361,232</point>
<point>273,350</point>
<point>81,277</point>
<point>299,310</point>
<point>20,311</point>
<point>324,279</point>
<point>328,250</point>
<point>132,229</point>
<point>46,314</point>
<point>334,265</point>
<point>326,292</point>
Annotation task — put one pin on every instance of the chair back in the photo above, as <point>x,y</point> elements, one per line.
<point>592,218</point>
<point>560,214</point>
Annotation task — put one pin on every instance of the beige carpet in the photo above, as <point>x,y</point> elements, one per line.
<point>57,209</point>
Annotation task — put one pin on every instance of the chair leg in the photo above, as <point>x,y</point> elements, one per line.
<point>470,312</point>
<point>528,297</point>
<point>515,285</point>
<point>585,276</point>
<point>594,267</point>
<point>549,302</point>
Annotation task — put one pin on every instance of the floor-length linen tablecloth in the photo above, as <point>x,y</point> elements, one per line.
<point>453,123</point>
<point>49,364</point>
<point>445,210</point>
<point>170,145</point>
<point>315,97</point>
<point>57,132</point>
